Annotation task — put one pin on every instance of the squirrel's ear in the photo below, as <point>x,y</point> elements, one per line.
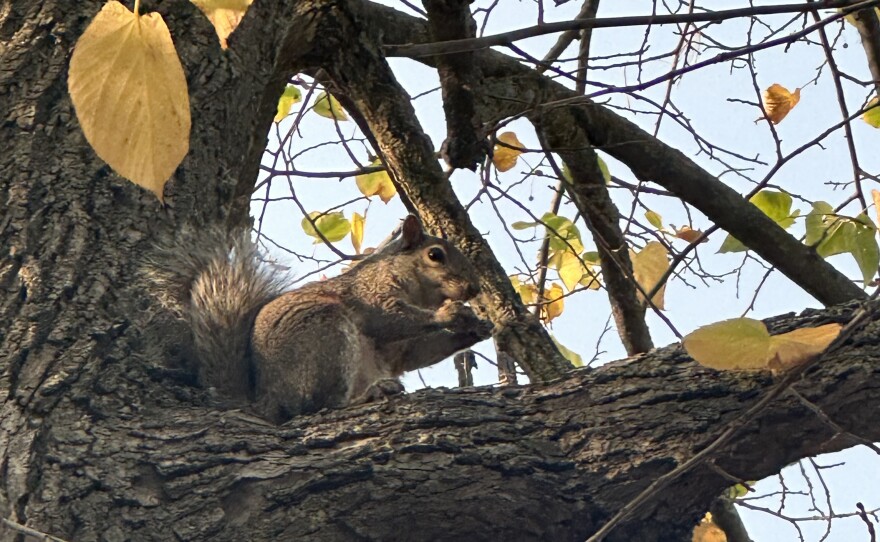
<point>412,232</point>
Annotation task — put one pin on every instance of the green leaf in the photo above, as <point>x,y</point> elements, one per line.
<point>731,244</point>
<point>865,250</point>
<point>566,173</point>
<point>603,167</point>
<point>834,234</point>
<point>524,225</point>
<point>564,235</point>
<point>654,219</point>
<point>334,226</point>
<point>290,96</point>
<point>570,355</point>
<point>872,116</point>
<point>776,205</point>
<point>328,106</point>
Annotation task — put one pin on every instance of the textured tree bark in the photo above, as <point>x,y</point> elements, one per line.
<point>102,438</point>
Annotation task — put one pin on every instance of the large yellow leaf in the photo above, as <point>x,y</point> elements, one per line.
<point>224,15</point>
<point>778,101</point>
<point>801,345</point>
<point>744,343</point>
<point>130,95</point>
<point>377,183</point>
<point>504,157</point>
<point>740,343</point>
<point>649,265</point>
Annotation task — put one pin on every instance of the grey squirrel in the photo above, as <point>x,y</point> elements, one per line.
<point>330,343</point>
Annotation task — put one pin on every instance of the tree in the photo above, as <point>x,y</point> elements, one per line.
<point>103,439</point>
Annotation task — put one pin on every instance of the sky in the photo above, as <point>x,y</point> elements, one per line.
<point>712,100</point>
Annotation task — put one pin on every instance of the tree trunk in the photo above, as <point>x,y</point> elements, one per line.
<point>103,439</point>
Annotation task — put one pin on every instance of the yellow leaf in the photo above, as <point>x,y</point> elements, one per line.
<point>875,195</point>
<point>649,265</point>
<point>569,267</point>
<point>740,343</point>
<point>872,115</point>
<point>654,219</point>
<point>527,292</point>
<point>376,184</point>
<point>689,235</point>
<point>130,95</point>
<point>503,157</point>
<point>290,96</point>
<point>591,280</point>
<point>801,345</point>
<point>554,303</point>
<point>357,231</point>
<point>224,15</point>
<point>328,106</point>
<point>778,101</point>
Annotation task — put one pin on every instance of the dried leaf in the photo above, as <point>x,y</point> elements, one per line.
<point>504,157</point>
<point>554,303</point>
<point>130,95</point>
<point>689,235</point>
<point>801,345</point>
<point>778,101</point>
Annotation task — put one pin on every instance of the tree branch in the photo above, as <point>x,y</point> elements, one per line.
<point>417,50</point>
<point>517,89</point>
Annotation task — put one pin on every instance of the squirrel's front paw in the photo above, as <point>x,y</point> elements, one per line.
<point>458,317</point>
<point>379,390</point>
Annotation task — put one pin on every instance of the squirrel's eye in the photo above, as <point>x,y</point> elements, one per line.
<point>436,254</point>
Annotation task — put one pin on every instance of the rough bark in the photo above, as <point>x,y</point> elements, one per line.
<point>102,439</point>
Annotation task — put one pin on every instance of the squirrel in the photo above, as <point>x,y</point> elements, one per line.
<point>331,343</point>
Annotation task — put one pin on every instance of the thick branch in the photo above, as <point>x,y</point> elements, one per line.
<point>465,146</point>
<point>513,85</point>
<point>360,72</point>
<point>527,463</point>
<point>593,201</point>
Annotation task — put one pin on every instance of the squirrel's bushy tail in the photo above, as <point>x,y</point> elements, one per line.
<point>216,282</point>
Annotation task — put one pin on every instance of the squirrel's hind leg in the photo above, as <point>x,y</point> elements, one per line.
<point>304,358</point>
